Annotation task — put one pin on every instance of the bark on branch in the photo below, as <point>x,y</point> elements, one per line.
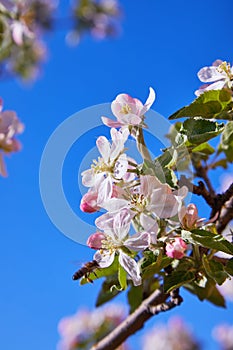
<point>157,302</point>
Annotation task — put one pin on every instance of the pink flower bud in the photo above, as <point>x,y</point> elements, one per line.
<point>176,249</point>
<point>95,240</point>
<point>89,202</point>
<point>189,216</point>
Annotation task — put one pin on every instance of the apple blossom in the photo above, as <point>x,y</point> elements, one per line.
<point>129,111</point>
<point>110,168</point>
<point>89,202</point>
<point>176,248</point>
<point>117,241</point>
<point>223,333</point>
<point>217,76</point>
<point>83,329</point>
<point>10,126</point>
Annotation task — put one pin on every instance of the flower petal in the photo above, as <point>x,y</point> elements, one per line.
<point>138,241</point>
<point>104,259</point>
<point>210,74</point>
<point>149,101</point>
<point>131,267</point>
<point>111,123</point>
<point>104,148</point>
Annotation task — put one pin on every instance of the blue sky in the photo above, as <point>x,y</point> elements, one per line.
<point>163,44</point>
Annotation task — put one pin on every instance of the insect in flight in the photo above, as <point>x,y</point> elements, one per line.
<point>85,271</point>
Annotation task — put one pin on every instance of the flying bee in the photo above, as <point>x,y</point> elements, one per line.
<point>85,271</point>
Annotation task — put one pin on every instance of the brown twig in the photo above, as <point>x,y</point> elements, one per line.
<point>157,302</point>
<point>225,217</point>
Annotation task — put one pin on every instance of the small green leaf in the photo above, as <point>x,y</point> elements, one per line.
<point>229,267</point>
<point>135,297</point>
<point>199,130</point>
<point>215,104</point>
<point>204,148</point>
<point>177,279</point>
<point>210,293</point>
<point>107,293</point>
<point>214,270</point>
<point>219,163</point>
<point>122,277</point>
<point>212,241</point>
<point>226,144</point>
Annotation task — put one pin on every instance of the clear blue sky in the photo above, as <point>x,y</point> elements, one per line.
<point>163,44</point>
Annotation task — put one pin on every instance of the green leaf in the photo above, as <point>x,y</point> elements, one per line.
<point>226,144</point>
<point>122,277</point>
<point>199,130</point>
<point>204,148</point>
<point>229,267</point>
<point>210,293</point>
<point>155,267</point>
<point>219,163</point>
<point>177,279</point>
<point>212,241</point>
<point>214,270</point>
<point>107,293</point>
<point>211,104</point>
<point>135,297</point>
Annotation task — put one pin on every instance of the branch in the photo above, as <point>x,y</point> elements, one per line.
<point>154,304</point>
<point>199,190</point>
<point>225,217</point>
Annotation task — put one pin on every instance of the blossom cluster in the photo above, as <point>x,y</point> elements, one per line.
<point>131,198</point>
<point>216,77</point>
<point>22,23</point>
<point>99,17</point>
<point>10,126</point>
<point>85,327</point>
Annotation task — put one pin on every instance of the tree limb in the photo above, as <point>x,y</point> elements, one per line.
<point>154,304</point>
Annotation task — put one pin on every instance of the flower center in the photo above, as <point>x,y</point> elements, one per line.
<point>126,109</point>
<point>139,202</point>
<point>225,67</point>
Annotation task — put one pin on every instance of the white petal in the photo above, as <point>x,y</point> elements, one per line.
<point>103,147</point>
<point>148,223</point>
<point>104,259</point>
<point>209,74</point>
<point>88,178</point>
<point>121,224</point>
<point>121,166</point>
<point>149,102</point>
<point>111,123</point>
<point>138,241</point>
<point>130,267</point>
<point>104,191</point>
<point>115,204</point>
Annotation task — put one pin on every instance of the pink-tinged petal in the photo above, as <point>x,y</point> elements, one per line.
<point>104,148</point>
<point>130,119</point>
<point>138,241</point>
<point>130,267</point>
<point>209,74</point>
<point>3,171</point>
<point>217,63</point>
<point>164,205</point>
<point>148,183</point>
<point>104,191</point>
<point>111,123</point>
<point>149,102</point>
<point>176,249</point>
<point>95,240</point>
<point>89,202</point>
<point>104,259</point>
<point>105,222</point>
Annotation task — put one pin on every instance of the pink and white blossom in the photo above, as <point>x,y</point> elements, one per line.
<point>116,241</point>
<point>176,248</point>
<point>110,168</point>
<point>216,77</point>
<point>10,126</point>
<point>129,111</point>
